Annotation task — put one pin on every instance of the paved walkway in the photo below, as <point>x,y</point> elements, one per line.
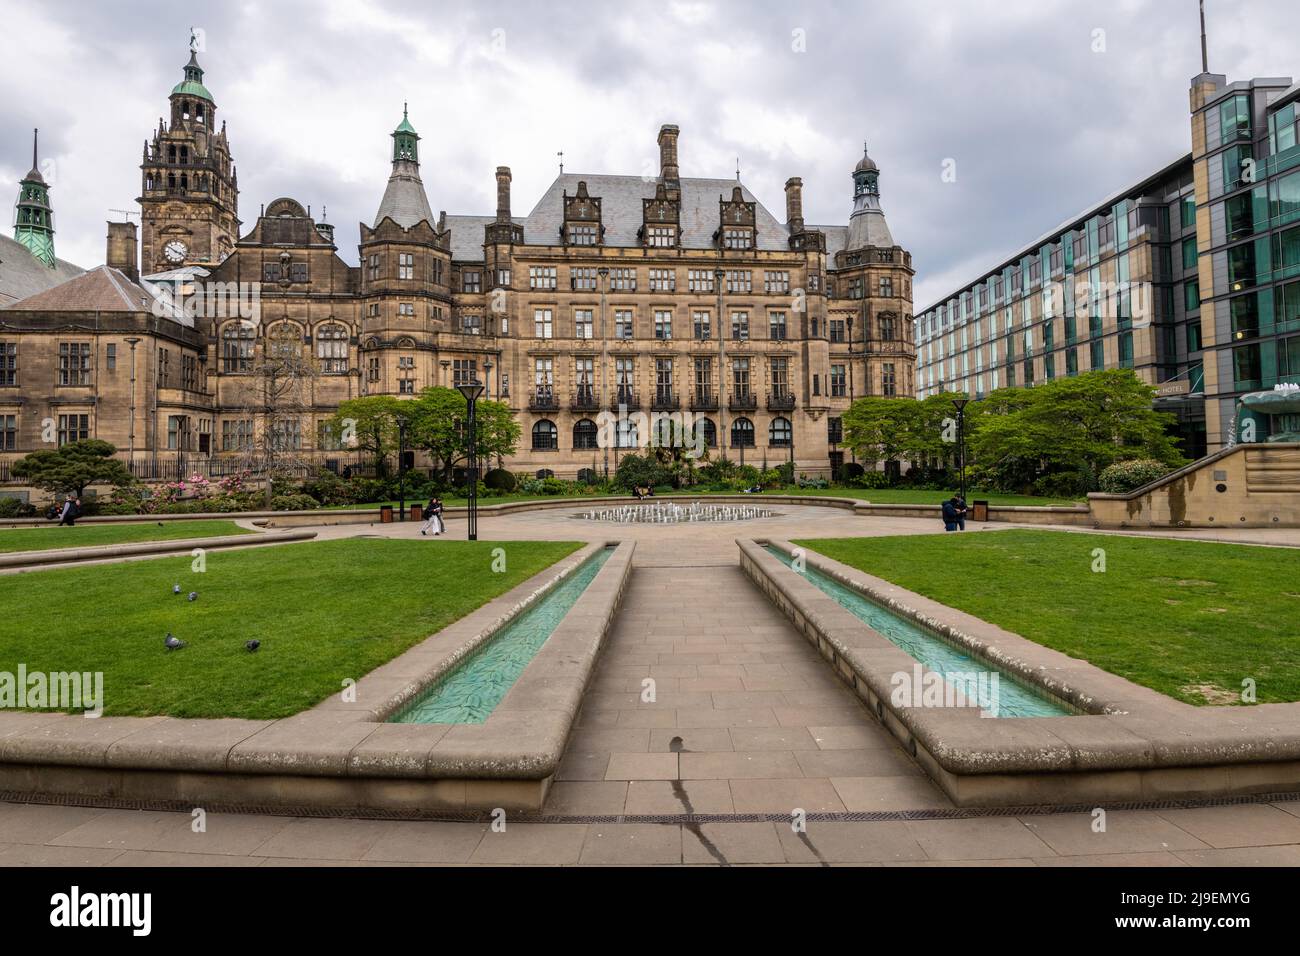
<point>744,718</point>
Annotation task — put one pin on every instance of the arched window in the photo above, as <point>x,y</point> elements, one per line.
<point>588,476</point>
<point>332,349</point>
<point>584,435</point>
<point>625,434</point>
<point>237,348</point>
<point>710,432</point>
<point>545,473</point>
<point>742,433</point>
<point>780,434</point>
<point>284,341</point>
<point>661,432</point>
<point>545,436</point>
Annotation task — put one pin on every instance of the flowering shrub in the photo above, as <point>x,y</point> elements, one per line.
<point>1124,476</point>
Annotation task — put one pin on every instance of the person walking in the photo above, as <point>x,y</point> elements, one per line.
<point>71,509</point>
<point>433,517</point>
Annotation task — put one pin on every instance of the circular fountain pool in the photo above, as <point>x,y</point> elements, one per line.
<point>669,513</point>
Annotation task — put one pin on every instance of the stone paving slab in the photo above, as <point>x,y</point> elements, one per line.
<point>722,641</point>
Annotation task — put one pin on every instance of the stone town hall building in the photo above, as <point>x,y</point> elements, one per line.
<point>658,294</point>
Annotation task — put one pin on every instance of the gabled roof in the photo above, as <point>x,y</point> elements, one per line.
<point>102,289</point>
<point>23,275</point>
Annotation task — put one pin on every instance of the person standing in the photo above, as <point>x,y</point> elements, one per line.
<point>433,517</point>
<point>954,514</point>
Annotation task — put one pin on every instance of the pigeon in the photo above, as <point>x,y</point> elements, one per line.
<point>173,643</point>
<point>160,524</point>
<point>252,645</point>
<point>194,595</point>
<point>176,589</point>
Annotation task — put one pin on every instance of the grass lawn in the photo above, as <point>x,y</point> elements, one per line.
<point>1191,619</point>
<point>324,611</point>
<point>907,496</point>
<point>89,535</point>
<point>911,496</point>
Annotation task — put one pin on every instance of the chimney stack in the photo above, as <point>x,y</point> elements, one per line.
<point>121,252</point>
<point>794,203</point>
<point>503,194</point>
<point>668,160</point>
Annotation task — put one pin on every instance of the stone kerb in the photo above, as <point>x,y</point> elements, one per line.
<point>1129,743</point>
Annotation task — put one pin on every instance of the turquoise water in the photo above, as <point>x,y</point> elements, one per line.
<point>471,691</point>
<point>970,675</point>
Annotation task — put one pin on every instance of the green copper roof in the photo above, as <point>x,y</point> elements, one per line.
<point>192,88</point>
<point>405,126</point>
<point>192,85</point>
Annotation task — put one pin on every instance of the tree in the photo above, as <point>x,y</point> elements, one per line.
<point>72,467</point>
<point>437,424</point>
<point>277,394</point>
<point>373,421</point>
<point>877,428</point>
<point>1070,429</point>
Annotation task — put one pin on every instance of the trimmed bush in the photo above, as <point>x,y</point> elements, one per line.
<point>1125,476</point>
<point>498,479</point>
<point>294,503</point>
<point>14,508</point>
<point>869,479</point>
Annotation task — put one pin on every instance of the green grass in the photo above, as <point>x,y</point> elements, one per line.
<point>907,496</point>
<point>90,535</point>
<point>324,611</point>
<point>911,496</point>
<point>1190,619</point>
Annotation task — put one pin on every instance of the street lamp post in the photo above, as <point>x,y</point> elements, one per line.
<point>604,360</point>
<point>960,405</point>
<point>133,342</point>
<point>401,467</point>
<point>718,276</point>
<point>471,391</point>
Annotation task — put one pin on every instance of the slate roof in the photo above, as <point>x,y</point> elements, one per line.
<point>102,289</point>
<point>404,199</point>
<point>23,275</point>
<point>867,227</point>
<point>622,214</point>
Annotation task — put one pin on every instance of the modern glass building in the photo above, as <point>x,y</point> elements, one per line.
<point>1147,278</point>
<point>1246,162</point>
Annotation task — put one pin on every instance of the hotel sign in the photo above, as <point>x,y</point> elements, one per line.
<point>1173,388</point>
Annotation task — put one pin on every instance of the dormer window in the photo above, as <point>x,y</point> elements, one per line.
<point>581,218</point>
<point>737,221</point>
<point>737,239</point>
<point>661,237</point>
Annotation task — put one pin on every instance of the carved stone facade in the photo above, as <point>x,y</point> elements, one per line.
<point>660,295</point>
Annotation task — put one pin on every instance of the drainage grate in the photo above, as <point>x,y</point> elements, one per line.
<point>473,816</point>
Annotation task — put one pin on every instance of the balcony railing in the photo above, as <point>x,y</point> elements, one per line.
<point>665,400</point>
<point>584,400</point>
<point>625,396</point>
<point>704,400</point>
<point>742,401</point>
<point>543,400</point>
<point>780,401</point>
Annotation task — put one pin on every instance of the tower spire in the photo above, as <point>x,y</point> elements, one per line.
<point>33,215</point>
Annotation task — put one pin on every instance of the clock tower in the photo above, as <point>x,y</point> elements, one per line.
<point>189,202</point>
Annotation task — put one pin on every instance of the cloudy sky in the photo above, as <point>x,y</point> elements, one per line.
<point>1045,106</point>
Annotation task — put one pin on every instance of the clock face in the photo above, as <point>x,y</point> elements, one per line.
<point>175,251</point>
